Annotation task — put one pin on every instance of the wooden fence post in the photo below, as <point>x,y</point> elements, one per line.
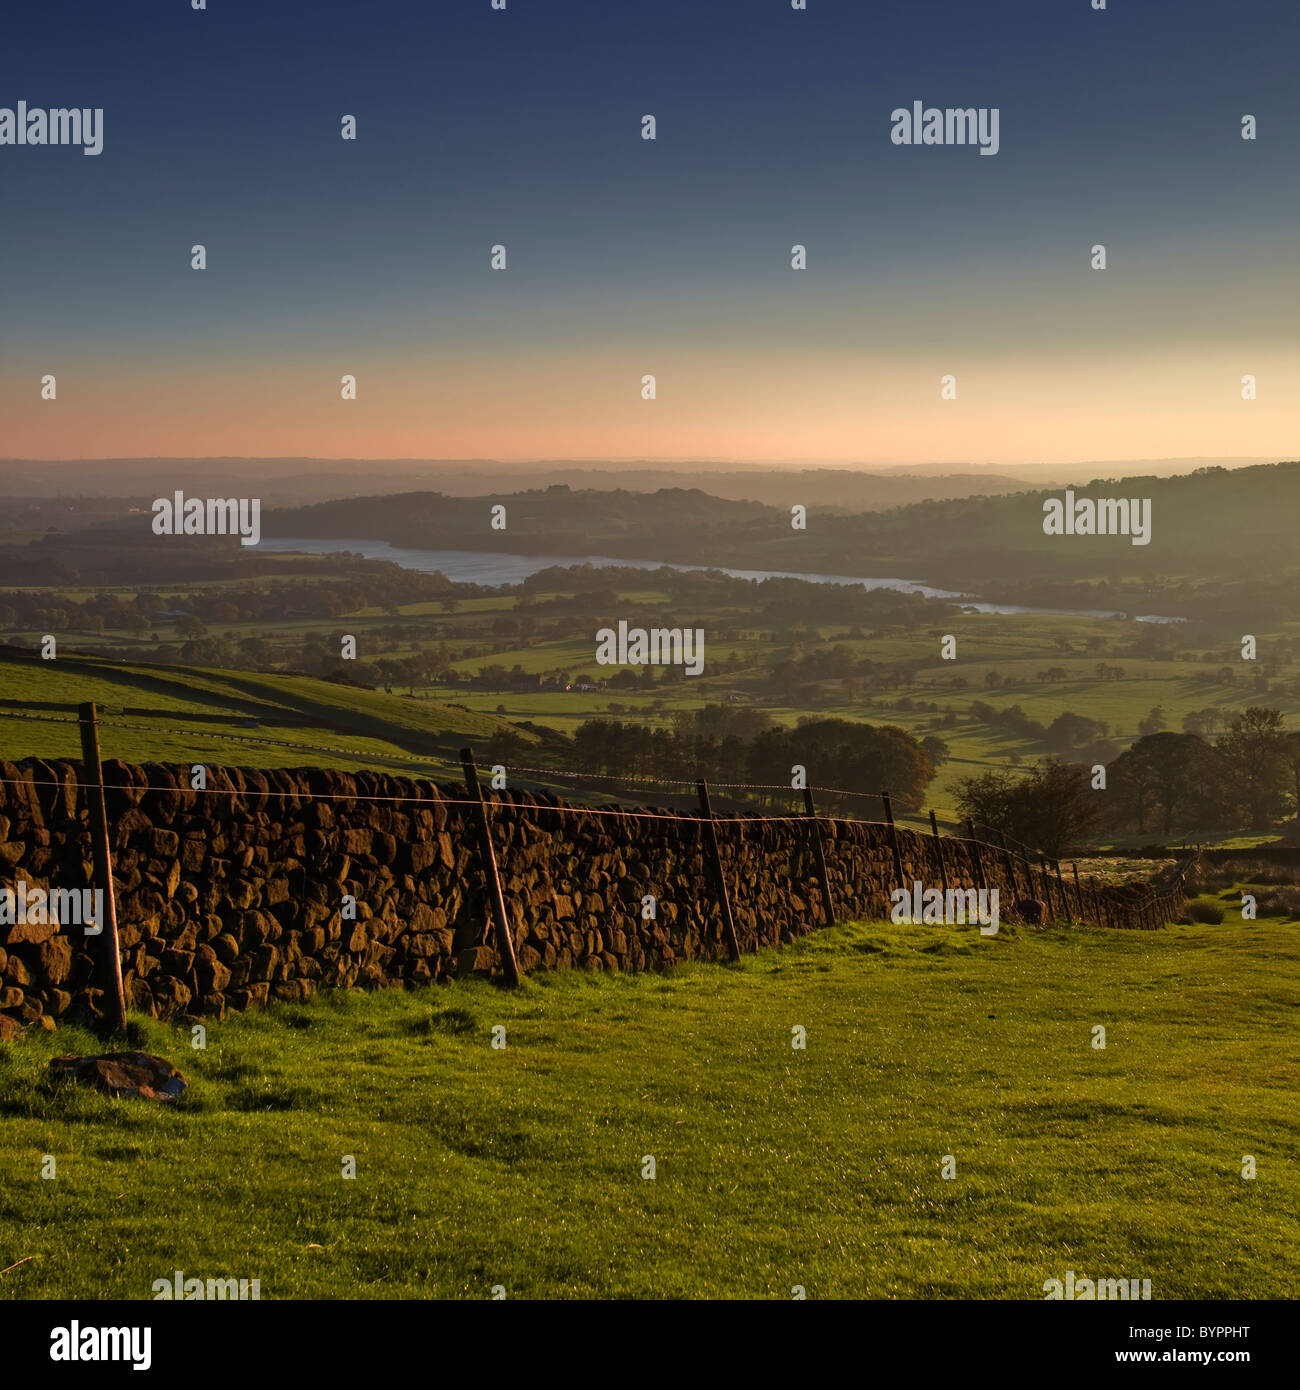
<point>1046,882</point>
<point>819,853</point>
<point>491,879</point>
<point>1078,892</point>
<point>1024,865</point>
<point>1009,864</point>
<point>1065,897</point>
<point>715,856</point>
<point>109,955</point>
<point>893,840</point>
<point>978,857</point>
<point>938,846</point>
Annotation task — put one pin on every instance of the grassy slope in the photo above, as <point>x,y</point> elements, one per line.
<point>776,1167</point>
<point>370,722</point>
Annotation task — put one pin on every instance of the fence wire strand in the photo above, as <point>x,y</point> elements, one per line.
<point>1109,894</point>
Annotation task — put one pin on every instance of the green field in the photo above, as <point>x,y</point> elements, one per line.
<point>505,659</point>
<point>775,1167</point>
<point>282,720</point>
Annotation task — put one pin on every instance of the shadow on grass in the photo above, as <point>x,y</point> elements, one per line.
<point>455,1022</point>
<point>269,1094</point>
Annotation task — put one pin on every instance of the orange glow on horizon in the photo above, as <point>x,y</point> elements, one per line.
<point>761,408</point>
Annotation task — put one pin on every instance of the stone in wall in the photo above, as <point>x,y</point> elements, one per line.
<point>273,884</point>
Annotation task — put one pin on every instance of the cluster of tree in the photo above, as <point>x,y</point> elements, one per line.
<point>383,586</point>
<point>1012,721</point>
<point>41,611</point>
<point>422,667</point>
<point>1079,737</point>
<point>744,746</point>
<point>1165,782</point>
<point>1205,722</point>
<point>1218,609</point>
<point>671,522</point>
<point>1249,777</point>
<point>762,604</point>
<point>1069,735</point>
<point>794,678</point>
<point>1050,807</point>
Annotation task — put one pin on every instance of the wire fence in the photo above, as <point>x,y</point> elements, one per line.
<point>1076,899</point>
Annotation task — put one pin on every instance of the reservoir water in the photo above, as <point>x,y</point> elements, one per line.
<point>493,568</point>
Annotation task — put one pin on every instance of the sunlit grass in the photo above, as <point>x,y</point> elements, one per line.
<point>774,1166</point>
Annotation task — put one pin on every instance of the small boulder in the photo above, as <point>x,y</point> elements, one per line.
<point>123,1074</point>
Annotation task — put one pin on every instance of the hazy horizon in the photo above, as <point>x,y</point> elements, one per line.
<point>668,462</point>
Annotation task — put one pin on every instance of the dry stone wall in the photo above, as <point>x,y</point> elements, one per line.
<point>237,895</point>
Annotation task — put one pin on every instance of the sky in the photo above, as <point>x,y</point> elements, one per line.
<point>672,257</point>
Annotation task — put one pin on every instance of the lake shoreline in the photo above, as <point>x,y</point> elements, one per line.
<point>494,568</point>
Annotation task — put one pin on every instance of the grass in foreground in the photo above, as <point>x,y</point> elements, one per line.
<point>774,1167</point>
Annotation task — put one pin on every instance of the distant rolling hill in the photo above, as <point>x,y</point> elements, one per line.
<point>1213,522</point>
